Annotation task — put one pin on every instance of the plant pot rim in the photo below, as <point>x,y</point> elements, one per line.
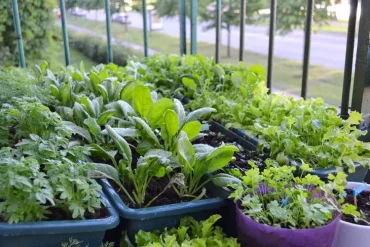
<point>63,226</point>
<point>335,220</point>
<point>350,185</point>
<point>158,211</point>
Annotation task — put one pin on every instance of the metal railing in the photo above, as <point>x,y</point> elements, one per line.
<point>361,88</point>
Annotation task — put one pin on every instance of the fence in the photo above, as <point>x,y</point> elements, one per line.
<point>361,88</point>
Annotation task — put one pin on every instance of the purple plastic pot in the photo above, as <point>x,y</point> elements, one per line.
<point>254,234</point>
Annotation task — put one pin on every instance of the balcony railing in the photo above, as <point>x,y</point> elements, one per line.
<point>361,88</point>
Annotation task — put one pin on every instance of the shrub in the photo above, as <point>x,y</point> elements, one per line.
<point>96,48</point>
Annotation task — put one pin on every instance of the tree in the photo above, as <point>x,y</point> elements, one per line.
<point>290,13</point>
<point>37,21</point>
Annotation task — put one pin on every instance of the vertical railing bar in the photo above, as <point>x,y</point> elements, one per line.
<point>145,28</point>
<point>349,58</point>
<point>193,34</point>
<point>271,43</point>
<point>218,31</point>
<point>18,32</point>
<point>361,87</point>
<point>64,32</point>
<point>182,17</point>
<point>108,20</point>
<point>307,46</point>
<point>242,29</point>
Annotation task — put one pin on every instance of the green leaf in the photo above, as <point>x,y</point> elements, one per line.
<point>77,130</point>
<point>199,113</point>
<point>93,126</point>
<point>66,93</point>
<point>105,116</point>
<point>126,92</point>
<point>186,154</point>
<point>192,129</point>
<point>124,132</point>
<point>180,111</point>
<point>95,81</point>
<point>157,110</point>
<point>89,106</point>
<point>258,69</point>
<point>54,90</point>
<point>142,100</point>
<point>223,180</point>
<point>102,153</point>
<point>103,92</point>
<point>218,70</point>
<point>147,130</point>
<point>106,170</point>
<point>189,83</point>
<point>121,144</point>
<point>355,118</point>
<point>207,225</point>
<point>171,123</point>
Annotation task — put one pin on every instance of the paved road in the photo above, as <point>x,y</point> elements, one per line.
<point>326,49</point>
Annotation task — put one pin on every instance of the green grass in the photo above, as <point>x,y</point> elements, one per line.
<point>57,60</point>
<point>323,82</point>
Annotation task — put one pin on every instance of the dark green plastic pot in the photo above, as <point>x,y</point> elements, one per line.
<point>54,233</point>
<point>357,176</point>
<point>160,217</point>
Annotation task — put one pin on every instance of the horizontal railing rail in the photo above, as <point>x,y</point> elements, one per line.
<point>361,88</point>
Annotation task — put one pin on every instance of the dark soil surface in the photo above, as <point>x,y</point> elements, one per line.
<point>155,187</point>
<point>363,205</point>
<point>58,214</point>
<point>215,139</point>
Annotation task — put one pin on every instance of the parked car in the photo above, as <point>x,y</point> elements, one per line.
<point>77,11</point>
<point>121,18</point>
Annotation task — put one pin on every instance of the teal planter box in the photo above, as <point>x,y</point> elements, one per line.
<point>54,233</point>
<point>160,217</point>
<point>357,176</point>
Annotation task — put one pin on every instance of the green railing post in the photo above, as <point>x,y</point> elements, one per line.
<point>242,29</point>
<point>108,20</point>
<point>18,31</point>
<point>193,34</point>
<point>307,46</point>
<point>361,86</point>
<point>218,30</point>
<point>270,57</point>
<point>182,17</point>
<point>64,32</point>
<point>145,28</point>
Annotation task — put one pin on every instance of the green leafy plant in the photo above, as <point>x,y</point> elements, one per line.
<point>31,188</point>
<point>155,163</point>
<point>197,161</point>
<point>277,198</point>
<point>189,233</point>
<point>76,243</point>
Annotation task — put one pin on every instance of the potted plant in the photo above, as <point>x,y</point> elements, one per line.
<point>189,232</point>
<point>46,185</point>
<point>291,211</point>
<point>181,182</point>
<point>354,227</point>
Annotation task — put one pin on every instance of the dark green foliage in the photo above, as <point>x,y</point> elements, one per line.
<point>17,82</point>
<point>37,21</point>
<point>96,49</point>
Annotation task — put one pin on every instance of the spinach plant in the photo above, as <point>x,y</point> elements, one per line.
<point>277,198</point>
<point>197,161</point>
<point>189,233</point>
<point>155,163</point>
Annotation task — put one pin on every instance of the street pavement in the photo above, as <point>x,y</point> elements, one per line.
<point>327,49</point>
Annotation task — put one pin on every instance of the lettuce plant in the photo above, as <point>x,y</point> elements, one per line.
<point>189,233</point>
<point>277,198</point>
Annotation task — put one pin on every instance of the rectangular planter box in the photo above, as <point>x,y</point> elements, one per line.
<point>160,217</point>
<point>357,176</point>
<point>54,233</point>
